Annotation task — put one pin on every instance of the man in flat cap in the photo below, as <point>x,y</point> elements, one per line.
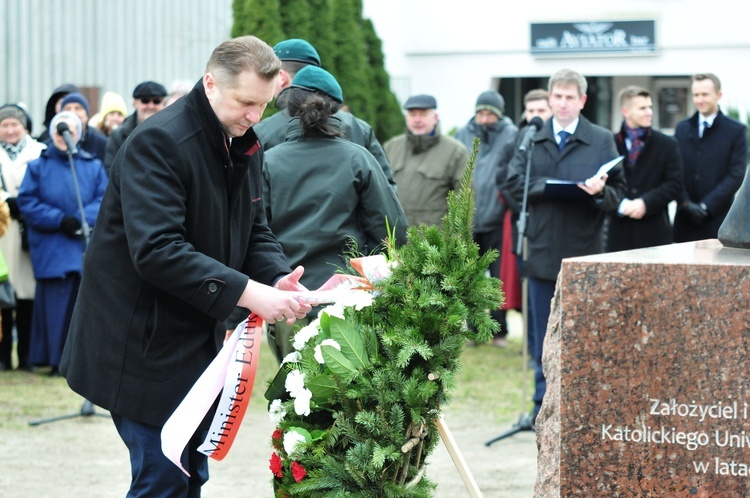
<point>295,54</point>
<point>148,98</point>
<point>426,164</point>
<point>495,132</point>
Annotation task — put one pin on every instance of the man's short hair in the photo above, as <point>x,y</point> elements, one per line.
<point>245,53</point>
<point>536,94</point>
<point>568,77</point>
<point>630,92</point>
<point>707,76</point>
<point>293,67</point>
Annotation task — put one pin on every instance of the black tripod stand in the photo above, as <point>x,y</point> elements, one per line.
<point>87,409</point>
<point>525,421</point>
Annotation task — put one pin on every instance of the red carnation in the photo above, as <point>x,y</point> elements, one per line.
<point>298,471</point>
<point>275,465</point>
<point>276,439</point>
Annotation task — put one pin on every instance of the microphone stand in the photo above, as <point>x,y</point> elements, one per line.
<point>87,409</point>
<point>525,422</point>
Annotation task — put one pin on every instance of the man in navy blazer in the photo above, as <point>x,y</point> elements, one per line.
<point>568,147</point>
<point>714,156</point>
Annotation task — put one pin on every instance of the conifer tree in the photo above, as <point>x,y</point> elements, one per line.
<point>322,33</point>
<point>352,71</point>
<point>348,46</point>
<point>258,18</point>
<point>388,118</point>
<point>295,20</point>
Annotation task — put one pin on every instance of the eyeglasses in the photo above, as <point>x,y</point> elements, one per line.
<point>154,100</point>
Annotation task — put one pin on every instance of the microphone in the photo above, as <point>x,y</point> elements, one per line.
<point>535,125</point>
<point>64,131</point>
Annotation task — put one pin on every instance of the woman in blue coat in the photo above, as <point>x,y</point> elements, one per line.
<point>48,200</point>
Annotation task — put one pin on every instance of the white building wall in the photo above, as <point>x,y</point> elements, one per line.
<point>453,50</point>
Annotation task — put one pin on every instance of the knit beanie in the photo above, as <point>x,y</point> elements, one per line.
<point>491,101</point>
<point>113,102</point>
<point>12,111</point>
<point>78,98</point>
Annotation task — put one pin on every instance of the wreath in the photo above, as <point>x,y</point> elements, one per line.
<point>356,403</point>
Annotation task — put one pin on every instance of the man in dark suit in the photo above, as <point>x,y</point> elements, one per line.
<point>653,174</point>
<point>714,155</point>
<point>568,147</point>
<point>181,240</point>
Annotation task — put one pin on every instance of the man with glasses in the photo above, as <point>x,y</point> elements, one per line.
<point>148,99</point>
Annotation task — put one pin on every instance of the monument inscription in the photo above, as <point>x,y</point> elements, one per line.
<point>646,361</point>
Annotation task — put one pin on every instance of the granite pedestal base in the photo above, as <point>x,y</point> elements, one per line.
<point>648,376</point>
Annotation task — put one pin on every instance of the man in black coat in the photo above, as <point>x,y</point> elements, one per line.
<point>568,147</point>
<point>714,156</point>
<point>149,97</point>
<point>180,241</point>
<point>653,175</point>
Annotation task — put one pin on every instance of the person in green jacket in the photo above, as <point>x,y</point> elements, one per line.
<point>426,164</point>
<point>322,192</point>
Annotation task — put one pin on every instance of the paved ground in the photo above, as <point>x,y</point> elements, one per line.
<point>84,457</point>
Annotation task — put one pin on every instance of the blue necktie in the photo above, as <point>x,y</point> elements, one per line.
<point>564,135</point>
<point>703,129</point>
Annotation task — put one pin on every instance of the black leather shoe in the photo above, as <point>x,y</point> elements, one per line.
<point>55,372</point>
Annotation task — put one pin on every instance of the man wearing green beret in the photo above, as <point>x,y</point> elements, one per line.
<point>295,54</point>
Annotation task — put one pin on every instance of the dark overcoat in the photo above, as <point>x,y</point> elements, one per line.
<point>564,227</point>
<point>657,179</point>
<point>180,229</point>
<point>714,167</point>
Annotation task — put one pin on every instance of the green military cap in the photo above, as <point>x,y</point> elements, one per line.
<point>315,79</point>
<point>298,50</point>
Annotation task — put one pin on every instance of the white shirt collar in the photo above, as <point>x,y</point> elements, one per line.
<point>708,119</point>
<point>571,128</point>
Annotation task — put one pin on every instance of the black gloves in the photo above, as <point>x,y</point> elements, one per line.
<point>696,213</point>
<point>71,226</point>
<point>13,207</point>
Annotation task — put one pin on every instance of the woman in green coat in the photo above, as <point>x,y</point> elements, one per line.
<point>322,192</point>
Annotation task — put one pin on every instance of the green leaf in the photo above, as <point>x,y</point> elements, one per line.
<point>322,387</point>
<point>276,389</point>
<point>303,432</point>
<point>352,345</point>
<point>325,326</point>
<point>337,362</point>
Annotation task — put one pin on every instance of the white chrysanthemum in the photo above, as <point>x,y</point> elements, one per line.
<point>294,357</point>
<point>292,441</point>
<point>302,402</point>
<point>305,334</point>
<point>336,309</point>
<point>276,411</point>
<point>319,352</point>
<point>295,382</point>
<point>357,299</point>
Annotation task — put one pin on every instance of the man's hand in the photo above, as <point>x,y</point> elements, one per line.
<point>593,185</point>
<point>634,208</point>
<point>272,304</point>
<point>696,213</point>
